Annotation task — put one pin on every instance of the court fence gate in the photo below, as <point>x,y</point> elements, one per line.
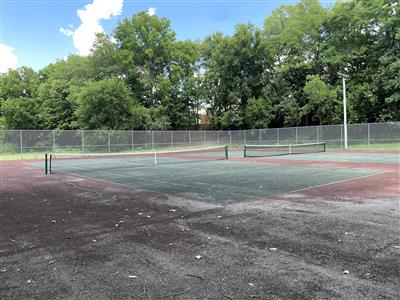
<point>360,136</point>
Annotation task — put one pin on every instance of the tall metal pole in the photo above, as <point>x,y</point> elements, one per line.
<point>344,112</point>
<point>344,77</point>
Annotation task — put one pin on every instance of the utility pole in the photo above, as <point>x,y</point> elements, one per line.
<point>344,77</point>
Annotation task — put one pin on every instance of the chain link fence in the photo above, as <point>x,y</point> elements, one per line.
<point>29,142</point>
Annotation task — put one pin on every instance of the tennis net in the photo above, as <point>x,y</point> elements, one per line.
<point>273,150</point>
<point>81,162</point>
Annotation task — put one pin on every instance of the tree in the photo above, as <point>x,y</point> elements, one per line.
<point>145,46</point>
<point>105,104</point>
<point>21,113</point>
<point>182,92</point>
<point>57,110</point>
<point>259,113</point>
<point>75,69</point>
<point>21,82</point>
<point>234,72</point>
<point>295,36</point>
<point>104,60</point>
<point>18,99</point>
<point>362,37</point>
<point>323,104</point>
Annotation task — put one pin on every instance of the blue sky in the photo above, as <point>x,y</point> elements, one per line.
<point>30,29</point>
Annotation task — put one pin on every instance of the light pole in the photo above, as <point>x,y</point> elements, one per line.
<point>344,77</point>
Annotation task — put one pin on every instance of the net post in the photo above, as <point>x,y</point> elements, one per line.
<point>290,148</point>
<point>46,171</point>
<point>324,147</point>
<point>226,152</point>
<point>244,151</point>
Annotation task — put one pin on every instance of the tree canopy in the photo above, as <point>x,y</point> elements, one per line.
<point>283,74</point>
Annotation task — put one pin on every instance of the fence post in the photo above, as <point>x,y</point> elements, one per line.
<point>152,139</point>
<point>341,136</point>
<point>368,135</point>
<point>230,138</point>
<point>109,142</point>
<point>205,140</point>
<point>83,141</point>
<point>317,134</point>
<point>172,138</point>
<point>259,136</point>
<point>218,137</point>
<point>277,136</point>
<point>296,135</point>
<point>190,138</point>
<point>244,137</point>
<point>132,140</point>
<point>54,141</point>
<point>20,142</point>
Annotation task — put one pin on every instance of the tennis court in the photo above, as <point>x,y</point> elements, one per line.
<point>206,174</point>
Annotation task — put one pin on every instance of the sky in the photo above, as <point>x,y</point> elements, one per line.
<point>35,33</point>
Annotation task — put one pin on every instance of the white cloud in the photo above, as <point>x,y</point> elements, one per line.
<point>151,11</point>
<point>90,16</point>
<point>8,59</point>
<point>66,32</point>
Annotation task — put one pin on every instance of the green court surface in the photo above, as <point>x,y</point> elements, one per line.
<point>376,158</point>
<point>216,181</point>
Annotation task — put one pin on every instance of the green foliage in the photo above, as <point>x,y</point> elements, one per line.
<point>234,72</point>
<point>323,102</point>
<point>21,82</point>
<point>106,104</point>
<point>75,69</point>
<point>104,61</point>
<point>57,110</point>
<point>21,113</point>
<point>145,47</point>
<point>283,74</point>
<point>259,113</point>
